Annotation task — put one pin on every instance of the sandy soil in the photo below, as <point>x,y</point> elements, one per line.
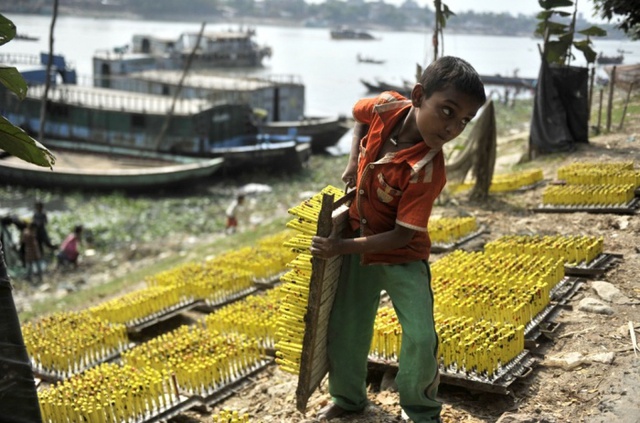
<point>590,392</point>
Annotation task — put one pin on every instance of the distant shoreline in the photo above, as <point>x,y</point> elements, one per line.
<point>65,11</point>
<point>103,13</point>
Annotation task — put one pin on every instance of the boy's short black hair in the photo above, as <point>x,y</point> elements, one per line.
<point>455,72</point>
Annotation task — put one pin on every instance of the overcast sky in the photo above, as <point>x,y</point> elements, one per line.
<point>514,7</point>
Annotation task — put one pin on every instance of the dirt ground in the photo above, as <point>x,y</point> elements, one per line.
<point>597,388</point>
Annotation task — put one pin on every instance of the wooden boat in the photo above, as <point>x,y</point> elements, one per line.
<point>344,33</point>
<point>380,86</point>
<point>220,49</point>
<point>98,168</point>
<point>278,99</point>
<point>610,60</point>
<point>25,37</point>
<point>154,123</point>
<point>324,131</point>
<point>512,81</point>
<point>362,59</point>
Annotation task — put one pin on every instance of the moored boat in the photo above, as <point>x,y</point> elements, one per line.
<point>90,167</point>
<point>512,81</point>
<point>151,123</point>
<point>279,99</point>
<point>344,33</point>
<point>324,131</point>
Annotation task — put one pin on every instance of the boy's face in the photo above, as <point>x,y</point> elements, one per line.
<point>443,116</point>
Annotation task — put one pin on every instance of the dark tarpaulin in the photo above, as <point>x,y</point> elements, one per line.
<point>18,398</point>
<point>561,109</point>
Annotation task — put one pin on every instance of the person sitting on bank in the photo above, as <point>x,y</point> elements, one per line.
<point>69,251</point>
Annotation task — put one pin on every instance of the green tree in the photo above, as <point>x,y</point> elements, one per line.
<point>17,380</point>
<point>14,140</point>
<point>560,37</point>
<point>627,12</point>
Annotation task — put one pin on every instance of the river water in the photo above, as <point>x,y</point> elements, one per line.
<point>328,68</point>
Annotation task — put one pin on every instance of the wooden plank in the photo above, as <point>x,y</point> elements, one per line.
<point>314,363</point>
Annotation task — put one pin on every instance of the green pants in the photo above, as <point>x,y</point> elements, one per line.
<point>351,330</point>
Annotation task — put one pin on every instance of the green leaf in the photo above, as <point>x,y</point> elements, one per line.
<point>593,31</point>
<point>552,4</point>
<point>7,30</point>
<point>556,28</point>
<point>585,47</point>
<point>544,15</point>
<point>446,11</point>
<point>556,51</point>
<point>16,142</point>
<point>13,80</point>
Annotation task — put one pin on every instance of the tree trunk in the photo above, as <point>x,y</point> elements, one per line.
<point>485,159</point>
<point>18,394</point>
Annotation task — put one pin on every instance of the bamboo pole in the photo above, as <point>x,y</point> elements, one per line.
<point>610,105</point>
<point>47,82</point>
<point>165,125</point>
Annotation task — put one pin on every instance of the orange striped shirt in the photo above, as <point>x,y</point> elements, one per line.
<point>398,189</point>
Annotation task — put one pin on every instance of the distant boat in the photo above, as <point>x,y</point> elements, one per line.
<point>610,60</point>
<point>148,123</point>
<point>344,33</point>
<point>362,59</point>
<point>512,81</point>
<point>91,167</point>
<point>220,49</point>
<point>25,37</point>
<point>380,86</point>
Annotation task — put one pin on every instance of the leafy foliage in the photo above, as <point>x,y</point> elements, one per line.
<point>626,11</point>
<point>14,140</point>
<point>560,36</point>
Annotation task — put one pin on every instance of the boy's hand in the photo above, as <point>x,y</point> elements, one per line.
<point>349,175</point>
<point>325,248</point>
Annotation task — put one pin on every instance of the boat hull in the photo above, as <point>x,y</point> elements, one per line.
<point>324,132</point>
<point>161,171</point>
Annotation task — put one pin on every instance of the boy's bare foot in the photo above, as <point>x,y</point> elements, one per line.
<point>332,411</point>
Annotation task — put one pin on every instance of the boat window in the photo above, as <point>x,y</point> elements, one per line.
<point>61,110</point>
<point>137,120</point>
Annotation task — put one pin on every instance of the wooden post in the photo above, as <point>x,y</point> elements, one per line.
<point>612,83</point>
<point>593,76</point>
<point>626,104</point>
<point>600,110</point>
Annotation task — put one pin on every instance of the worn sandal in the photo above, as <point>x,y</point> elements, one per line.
<point>332,411</point>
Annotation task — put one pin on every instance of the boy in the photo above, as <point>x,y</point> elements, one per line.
<point>397,167</point>
<point>232,214</point>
